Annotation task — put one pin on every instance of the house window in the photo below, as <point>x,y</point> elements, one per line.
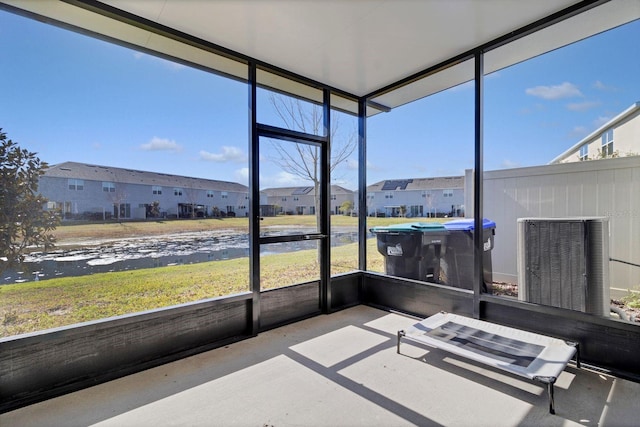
<point>607,143</point>
<point>177,191</point>
<point>426,194</point>
<point>109,187</point>
<point>284,199</point>
<point>584,152</point>
<point>296,198</point>
<point>334,197</point>
<point>224,195</point>
<point>210,194</point>
<point>447,193</point>
<point>388,195</point>
<point>156,189</point>
<point>76,184</point>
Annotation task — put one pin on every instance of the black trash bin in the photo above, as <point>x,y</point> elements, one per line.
<point>457,265</point>
<point>412,250</point>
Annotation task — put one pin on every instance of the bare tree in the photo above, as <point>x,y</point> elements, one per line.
<point>115,193</point>
<point>303,160</point>
<point>191,194</point>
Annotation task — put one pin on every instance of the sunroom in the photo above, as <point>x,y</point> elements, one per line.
<point>308,96</point>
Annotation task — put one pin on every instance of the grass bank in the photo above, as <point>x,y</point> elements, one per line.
<point>69,233</point>
<point>35,306</point>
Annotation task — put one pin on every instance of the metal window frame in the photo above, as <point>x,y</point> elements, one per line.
<point>476,54</point>
<point>259,130</point>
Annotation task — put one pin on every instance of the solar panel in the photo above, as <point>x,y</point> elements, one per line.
<point>302,191</point>
<point>396,184</point>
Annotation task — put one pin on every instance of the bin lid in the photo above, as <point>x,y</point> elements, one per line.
<point>410,227</point>
<point>467,224</point>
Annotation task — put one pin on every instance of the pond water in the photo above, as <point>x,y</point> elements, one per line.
<point>150,252</point>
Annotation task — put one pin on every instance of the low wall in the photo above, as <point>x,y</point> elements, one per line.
<point>38,366</point>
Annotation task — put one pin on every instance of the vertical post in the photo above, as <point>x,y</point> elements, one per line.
<point>254,204</point>
<point>478,238</point>
<point>362,184</point>
<point>325,206</point>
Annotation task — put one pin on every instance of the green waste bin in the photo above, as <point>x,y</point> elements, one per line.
<point>412,250</point>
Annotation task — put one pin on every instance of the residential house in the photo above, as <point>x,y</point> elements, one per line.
<point>85,191</point>
<point>301,200</point>
<point>619,137</point>
<point>417,197</point>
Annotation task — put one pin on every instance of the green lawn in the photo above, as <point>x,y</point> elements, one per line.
<point>34,306</point>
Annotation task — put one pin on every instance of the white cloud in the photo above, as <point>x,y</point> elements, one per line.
<point>352,165</point>
<point>578,132</point>
<point>374,167</point>
<point>564,90</point>
<point>601,86</point>
<point>228,154</point>
<point>288,179</point>
<point>600,121</point>
<point>161,144</point>
<point>242,175</point>
<point>345,183</point>
<point>533,109</point>
<point>509,164</point>
<point>283,179</point>
<point>582,106</point>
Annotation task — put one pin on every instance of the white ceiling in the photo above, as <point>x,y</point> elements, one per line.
<point>357,46</point>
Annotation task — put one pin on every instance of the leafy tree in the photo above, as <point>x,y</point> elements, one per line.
<point>23,221</point>
<point>346,207</point>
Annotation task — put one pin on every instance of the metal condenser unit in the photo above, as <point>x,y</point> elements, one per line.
<point>564,262</point>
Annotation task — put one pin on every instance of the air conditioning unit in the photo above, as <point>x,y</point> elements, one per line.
<point>564,262</point>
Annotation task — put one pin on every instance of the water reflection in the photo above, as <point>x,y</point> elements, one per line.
<point>151,252</point>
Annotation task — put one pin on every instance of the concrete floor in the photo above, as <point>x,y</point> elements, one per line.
<point>336,370</point>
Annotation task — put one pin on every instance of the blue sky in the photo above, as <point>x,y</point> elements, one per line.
<point>71,97</point>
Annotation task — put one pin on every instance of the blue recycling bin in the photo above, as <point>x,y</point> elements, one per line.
<point>412,250</point>
<point>457,264</point>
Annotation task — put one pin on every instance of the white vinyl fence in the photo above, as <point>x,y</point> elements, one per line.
<point>607,188</point>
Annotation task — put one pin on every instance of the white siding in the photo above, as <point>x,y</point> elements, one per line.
<point>608,188</point>
<point>626,138</point>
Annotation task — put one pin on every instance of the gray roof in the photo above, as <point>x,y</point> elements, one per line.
<point>301,191</point>
<point>130,176</point>
<point>413,184</point>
